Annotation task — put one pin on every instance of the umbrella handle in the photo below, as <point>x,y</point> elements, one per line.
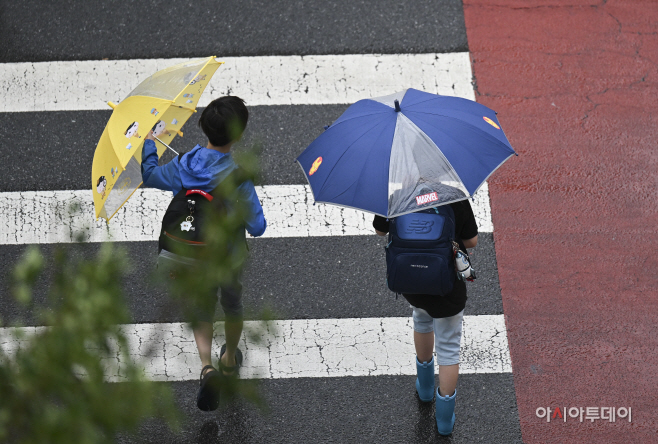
<point>166,145</point>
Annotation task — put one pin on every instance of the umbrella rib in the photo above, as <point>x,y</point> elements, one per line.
<point>493,171</point>
<point>487,136</point>
<point>437,148</point>
<point>455,118</point>
<point>333,125</point>
<point>435,113</point>
<point>429,99</point>
<point>327,202</point>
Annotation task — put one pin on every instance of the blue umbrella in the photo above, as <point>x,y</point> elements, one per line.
<point>401,153</point>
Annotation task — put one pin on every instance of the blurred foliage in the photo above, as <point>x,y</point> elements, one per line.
<point>52,387</point>
<point>53,382</point>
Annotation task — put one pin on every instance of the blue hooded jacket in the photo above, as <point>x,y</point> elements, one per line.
<point>201,169</point>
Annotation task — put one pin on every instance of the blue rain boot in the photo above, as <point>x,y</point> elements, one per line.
<point>445,413</point>
<point>425,380</point>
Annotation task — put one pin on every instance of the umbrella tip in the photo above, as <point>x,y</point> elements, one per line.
<point>397,106</point>
<point>326,127</point>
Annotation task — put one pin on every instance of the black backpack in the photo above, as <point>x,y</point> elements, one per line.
<point>183,224</point>
<point>420,252</point>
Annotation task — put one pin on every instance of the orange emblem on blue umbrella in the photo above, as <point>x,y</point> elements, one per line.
<point>491,122</point>
<point>315,166</point>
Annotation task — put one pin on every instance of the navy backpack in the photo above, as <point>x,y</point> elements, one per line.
<point>420,254</point>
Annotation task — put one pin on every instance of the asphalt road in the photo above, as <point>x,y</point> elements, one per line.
<point>82,30</point>
<point>299,278</point>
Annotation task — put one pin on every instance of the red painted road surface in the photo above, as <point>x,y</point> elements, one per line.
<point>576,213</point>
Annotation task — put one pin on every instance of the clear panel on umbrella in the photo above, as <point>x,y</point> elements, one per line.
<point>390,99</point>
<point>168,83</point>
<point>129,180</point>
<point>419,175</point>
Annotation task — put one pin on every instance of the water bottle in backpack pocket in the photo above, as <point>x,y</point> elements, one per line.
<point>420,254</point>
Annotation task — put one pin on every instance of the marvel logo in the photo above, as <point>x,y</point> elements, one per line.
<point>426,198</point>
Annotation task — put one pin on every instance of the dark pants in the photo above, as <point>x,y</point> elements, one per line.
<point>202,307</point>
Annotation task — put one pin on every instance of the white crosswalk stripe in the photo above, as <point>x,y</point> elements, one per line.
<point>305,348</point>
<point>44,217</point>
<point>271,80</point>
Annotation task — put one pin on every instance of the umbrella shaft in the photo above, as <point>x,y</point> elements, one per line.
<point>166,145</point>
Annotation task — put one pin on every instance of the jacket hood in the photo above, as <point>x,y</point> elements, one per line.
<point>204,169</point>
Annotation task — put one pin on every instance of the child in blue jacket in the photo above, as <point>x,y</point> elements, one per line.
<point>204,168</point>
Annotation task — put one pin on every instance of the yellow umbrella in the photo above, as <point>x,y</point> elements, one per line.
<point>163,102</point>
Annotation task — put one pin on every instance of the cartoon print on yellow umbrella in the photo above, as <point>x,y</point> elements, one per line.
<point>160,128</point>
<point>164,102</point>
<point>132,130</point>
<point>101,185</point>
<point>198,79</point>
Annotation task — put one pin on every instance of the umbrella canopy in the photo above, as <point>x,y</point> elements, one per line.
<point>163,102</point>
<point>401,153</point>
